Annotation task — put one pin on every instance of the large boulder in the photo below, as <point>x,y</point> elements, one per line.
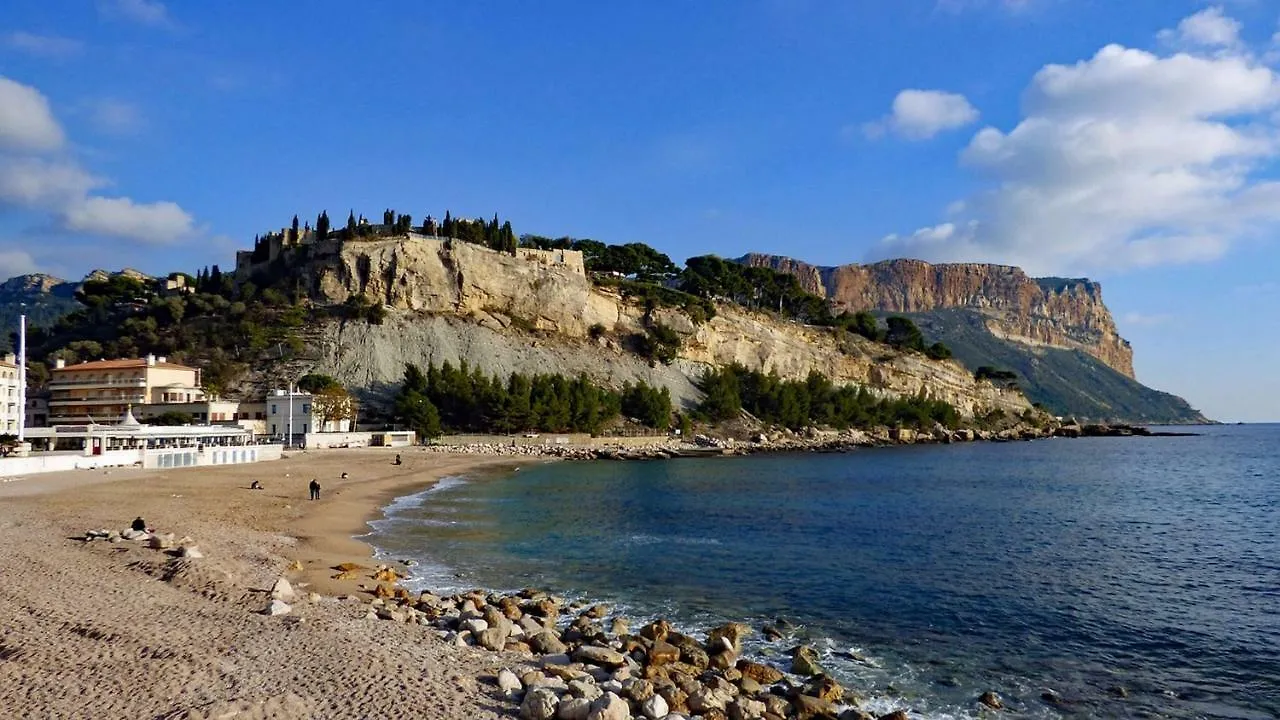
<point>759,672</point>
<point>807,706</point>
<point>539,704</point>
<point>546,643</point>
<point>494,638</point>
<point>727,637</point>
<point>609,707</point>
<point>657,630</point>
<point>655,708</point>
<point>746,709</point>
<point>573,708</point>
<point>707,699</point>
<point>508,683</point>
<point>825,688</point>
<point>663,653</point>
<point>804,661</point>
<point>602,656</point>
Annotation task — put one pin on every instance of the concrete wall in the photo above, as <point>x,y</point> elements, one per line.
<point>190,457</point>
<point>330,440</point>
<point>61,461</point>
<point>166,458</point>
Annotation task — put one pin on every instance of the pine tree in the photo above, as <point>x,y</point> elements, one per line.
<point>293,230</point>
<point>388,217</point>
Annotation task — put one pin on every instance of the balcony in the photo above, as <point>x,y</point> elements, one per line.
<point>121,400</point>
<point>56,384</point>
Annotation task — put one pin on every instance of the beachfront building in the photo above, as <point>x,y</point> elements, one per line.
<point>126,441</point>
<point>305,417</point>
<point>102,391</point>
<point>10,404</point>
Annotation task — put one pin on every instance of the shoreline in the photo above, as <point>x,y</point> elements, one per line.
<point>96,627</point>
<point>333,531</point>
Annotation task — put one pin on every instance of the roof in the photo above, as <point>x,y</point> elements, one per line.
<point>124,364</point>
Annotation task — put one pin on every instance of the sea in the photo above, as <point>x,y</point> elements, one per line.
<point>1124,577</point>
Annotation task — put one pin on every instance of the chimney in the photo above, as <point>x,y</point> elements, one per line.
<point>151,360</point>
<point>59,364</point>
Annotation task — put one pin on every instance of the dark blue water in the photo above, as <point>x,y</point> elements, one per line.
<point>1148,564</point>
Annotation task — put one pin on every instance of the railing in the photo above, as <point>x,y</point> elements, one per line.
<point>122,400</point>
<point>59,384</point>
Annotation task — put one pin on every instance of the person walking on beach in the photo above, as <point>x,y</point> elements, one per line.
<point>315,489</point>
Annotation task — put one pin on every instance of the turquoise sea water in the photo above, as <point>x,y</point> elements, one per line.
<point>927,574</point>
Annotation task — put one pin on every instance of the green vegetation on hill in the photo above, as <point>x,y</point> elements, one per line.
<point>1065,382</point>
<point>219,328</point>
<point>464,399</point>
<point>814,401</point>
<point>42,299</point>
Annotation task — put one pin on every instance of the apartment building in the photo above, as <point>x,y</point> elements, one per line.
<point>101,391</point>
<point>10,404</point>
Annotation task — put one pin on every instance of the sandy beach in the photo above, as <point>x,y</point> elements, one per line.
<point>97,629</point>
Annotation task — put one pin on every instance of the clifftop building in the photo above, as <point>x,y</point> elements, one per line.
<point>104,390</point>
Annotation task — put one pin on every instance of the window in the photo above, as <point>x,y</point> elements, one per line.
<point>273,412</point>
<point>306,408</point>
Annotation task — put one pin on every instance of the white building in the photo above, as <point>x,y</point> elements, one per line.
<point>301,419</point>
<point>10,407</point>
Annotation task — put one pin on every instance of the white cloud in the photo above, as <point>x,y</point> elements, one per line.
<point>116,117</point>
<point>1208,28</point>
<point>45,46</point>
<point>38,183</point>
<point>26,122</point>
<point>159,222</point>
<point>144,12</point>
<point>16,262</point>
<point>922,114</point>
<point>37,174</point>
<point>1126,159</point>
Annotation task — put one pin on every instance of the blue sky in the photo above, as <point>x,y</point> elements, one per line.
<point>1136,143</point>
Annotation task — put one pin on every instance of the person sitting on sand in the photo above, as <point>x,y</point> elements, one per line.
<point>315,489</point>
<point>344,476</point>
<point>397,462</point>
<point>255,485</point>
<point>139,525</point>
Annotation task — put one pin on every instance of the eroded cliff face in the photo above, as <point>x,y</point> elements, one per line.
<point>455,301</point>
<point>1056,312</point>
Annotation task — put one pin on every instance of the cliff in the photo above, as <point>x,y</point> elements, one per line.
<point>456,301</point>
<point>1052,312</point>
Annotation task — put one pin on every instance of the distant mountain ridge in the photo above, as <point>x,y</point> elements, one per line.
<point>44,298</point>
<point>1056,333</point>
<point>1059,312</point>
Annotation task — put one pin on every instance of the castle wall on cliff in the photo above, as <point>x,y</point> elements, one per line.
<point>1054,312</point>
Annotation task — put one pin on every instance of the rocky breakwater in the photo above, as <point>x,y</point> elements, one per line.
<point>1057,312</point>
<point>578,662</point>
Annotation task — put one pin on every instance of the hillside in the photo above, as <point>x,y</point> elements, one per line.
<point>43,298</point>
<point>1066,382</point>
<point>1055,333</point>
<point>360,308</point>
